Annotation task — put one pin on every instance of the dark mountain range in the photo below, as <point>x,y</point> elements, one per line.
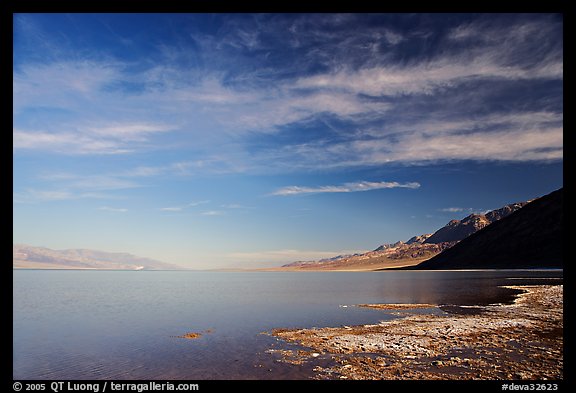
<point>418,249</point>
<point>530,237</point>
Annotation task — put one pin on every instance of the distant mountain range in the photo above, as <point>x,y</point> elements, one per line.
<point>529,238</point>
<point>520,235</point>
<point>29,257</point>
<point>425,250</point>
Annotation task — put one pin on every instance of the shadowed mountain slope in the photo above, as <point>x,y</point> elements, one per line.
<point>530,237</point>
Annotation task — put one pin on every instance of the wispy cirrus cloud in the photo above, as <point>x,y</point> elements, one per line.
<point>36,195</point>
<point>88,182</point>
<point>68,185</point>
<point>353,80</point>
<point>113,209</point>
<point>117,138</point>
<point>453,209</point>
<point>172,209</point>
<point>343,188</point>
<point>514,137</point>
<point>57,186</point>
<point>395,80</point>
<point>121,179</point>
<point>213,213</point>
<point>111,115</point>
<point>63,82</point>
<point>198,203</point>
<point>235,206</point>
<point>506,145</point>
<point>184,207</point>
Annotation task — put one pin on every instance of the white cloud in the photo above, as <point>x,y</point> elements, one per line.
<point>347,187</point>
<point>67,186</point>
<point>423,78</point>
<point>506,145</point>
<point>102,182</point>
<point>51,195</point>
<point>514,137</point>
<point>113,209</point>
<point>65,142</point>
<point>393,37</point>
<point>143,171</point>
<point>62,83</point>
<point>189,205</point>
<point>88,182</point>
<point>92,117</point>
<point>517,50</point>
<point>28,140</point>
<point>212,213</point>
<point>181,168</point>
<point>198,203</point>
<point>117,138</point>
<point>171,209</point>
<point>235,206</point>
<point>212,111</point>
<point>127,131</point>
<point>452,209</point>
<point>206,212</point>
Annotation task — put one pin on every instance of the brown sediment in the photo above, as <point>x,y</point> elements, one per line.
<point>191,335</point>
<point>523,340</point>
<point>194,335</point>
<point>394,306</point>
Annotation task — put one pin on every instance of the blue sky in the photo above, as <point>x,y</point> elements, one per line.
<point>249,140</point>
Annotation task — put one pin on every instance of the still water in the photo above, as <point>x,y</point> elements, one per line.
<point>124,324</point>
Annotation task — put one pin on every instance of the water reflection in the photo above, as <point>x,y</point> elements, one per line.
<point>461,287</point>
<point>121,325</point>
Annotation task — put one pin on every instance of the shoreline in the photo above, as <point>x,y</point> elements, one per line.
<point>394,269</point>
<point>518,341</point>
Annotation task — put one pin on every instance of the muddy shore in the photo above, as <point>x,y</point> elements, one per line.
<point>519,341</point>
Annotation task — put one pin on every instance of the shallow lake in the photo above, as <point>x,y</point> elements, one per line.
<point>124,324</point>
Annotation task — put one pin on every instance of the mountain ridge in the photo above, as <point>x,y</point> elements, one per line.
<point>31,257</point>
<point>417,249</point>
<point>457,230</point>
<point>530,237</point>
